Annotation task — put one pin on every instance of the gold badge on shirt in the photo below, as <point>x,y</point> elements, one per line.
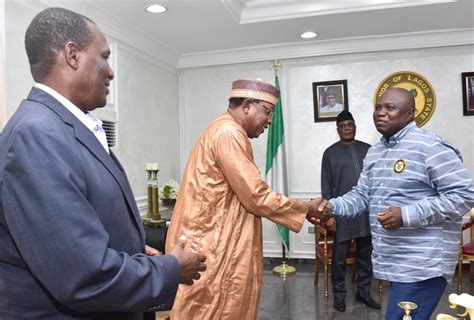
<point>399,166</point>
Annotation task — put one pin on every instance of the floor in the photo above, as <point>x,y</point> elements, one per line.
<point>296,298</point>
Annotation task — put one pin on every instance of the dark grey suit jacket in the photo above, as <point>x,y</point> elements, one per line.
<point>340,171</point>
<point>71,239</point>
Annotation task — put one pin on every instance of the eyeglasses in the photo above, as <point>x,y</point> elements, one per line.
<point>268,110</point>
<point>349,125</point>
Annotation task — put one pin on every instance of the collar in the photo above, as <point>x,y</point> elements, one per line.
<point>87,121</point>
<point>393,140</point>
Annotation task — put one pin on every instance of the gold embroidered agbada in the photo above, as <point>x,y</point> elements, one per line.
<point>219,208</point>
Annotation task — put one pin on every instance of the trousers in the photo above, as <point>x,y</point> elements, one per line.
<point>425,294</point>
<point>364,266</point>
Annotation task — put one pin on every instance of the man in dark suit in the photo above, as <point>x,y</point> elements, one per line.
<point>340,170</point>
<point>71,240</point>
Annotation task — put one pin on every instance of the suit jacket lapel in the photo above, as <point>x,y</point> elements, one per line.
<point>88,139</point>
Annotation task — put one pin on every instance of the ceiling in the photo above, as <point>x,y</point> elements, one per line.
<point>195,27</point>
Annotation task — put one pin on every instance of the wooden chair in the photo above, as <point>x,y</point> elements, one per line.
<point>466,251</point>
<point>323,248</point>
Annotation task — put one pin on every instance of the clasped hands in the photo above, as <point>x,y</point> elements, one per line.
<point>319,210</point>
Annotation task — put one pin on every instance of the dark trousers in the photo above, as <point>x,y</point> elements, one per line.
<point>364,266</point>
<point>149,316</point>
<point>425,294</point>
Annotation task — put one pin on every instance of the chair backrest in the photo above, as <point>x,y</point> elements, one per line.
<point>472,221</point>
<point>468,225</point>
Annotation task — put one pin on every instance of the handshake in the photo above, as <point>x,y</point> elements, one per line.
<point>319,210</point>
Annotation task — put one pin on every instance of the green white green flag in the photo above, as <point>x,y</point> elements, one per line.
<point>275,172</point>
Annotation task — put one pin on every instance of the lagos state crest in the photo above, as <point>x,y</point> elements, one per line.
<point>399,166</point>
<point>419,87</point>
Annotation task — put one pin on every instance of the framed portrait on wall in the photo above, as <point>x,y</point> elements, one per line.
<point>468,93</point>
<point>329,99</point>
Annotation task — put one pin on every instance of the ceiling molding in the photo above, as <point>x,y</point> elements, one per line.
<point>125,33</point>
<point>245,11</point>
<point>235,7</point>
<point>419,40</point>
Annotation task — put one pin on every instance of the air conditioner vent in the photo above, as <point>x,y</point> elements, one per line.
<point>110,129</point>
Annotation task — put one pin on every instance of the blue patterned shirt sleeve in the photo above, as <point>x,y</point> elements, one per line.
<point>447,175</point>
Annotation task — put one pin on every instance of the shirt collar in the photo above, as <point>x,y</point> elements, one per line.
<point>87,121</point>
<point>393,140</point>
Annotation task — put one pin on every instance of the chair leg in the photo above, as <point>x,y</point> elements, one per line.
<point>459,275</point>
<point>326,280</point>
<point>354,270</point>
<point>316,273</point>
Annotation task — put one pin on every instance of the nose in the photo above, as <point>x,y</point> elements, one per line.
<point>379,112</point>
<point>111,74</point>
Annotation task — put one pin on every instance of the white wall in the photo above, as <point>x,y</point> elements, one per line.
<point>148,118</point>
<point>146,98</point>
<point>3,99</point>
<point>208,88</point>
<point>17,72</point>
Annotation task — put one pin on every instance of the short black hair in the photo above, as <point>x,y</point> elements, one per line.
<point>48,34</point>
<point>235,102</point>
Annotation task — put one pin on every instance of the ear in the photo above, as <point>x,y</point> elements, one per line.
<point>246,106</point>
<point>411,114</point>
<point>71,53</point>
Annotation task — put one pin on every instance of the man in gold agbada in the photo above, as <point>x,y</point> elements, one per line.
<point>220,206</point>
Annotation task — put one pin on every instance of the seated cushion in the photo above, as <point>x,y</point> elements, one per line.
<point>468,248</point>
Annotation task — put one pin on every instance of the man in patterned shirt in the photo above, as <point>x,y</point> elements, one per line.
<point>417,190</point>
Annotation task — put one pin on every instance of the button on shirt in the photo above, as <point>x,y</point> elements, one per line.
<point>93,123</point>
<point>433,190</point>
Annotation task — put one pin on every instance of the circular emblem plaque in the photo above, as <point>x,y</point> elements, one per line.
<point>420,88</point>
<point>399,166</point>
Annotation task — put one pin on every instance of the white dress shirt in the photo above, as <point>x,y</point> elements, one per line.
<point>93,123</point>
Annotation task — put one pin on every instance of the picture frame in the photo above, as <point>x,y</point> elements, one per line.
<point>468,93</point>
<point>329,99</point>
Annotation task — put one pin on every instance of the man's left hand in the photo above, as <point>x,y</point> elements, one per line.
<point>150,251</point>
<point>391,218</point>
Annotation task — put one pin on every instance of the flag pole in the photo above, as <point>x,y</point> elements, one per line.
<point>283,269</point>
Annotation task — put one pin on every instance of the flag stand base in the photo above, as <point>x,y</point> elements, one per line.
<point>284,269</point>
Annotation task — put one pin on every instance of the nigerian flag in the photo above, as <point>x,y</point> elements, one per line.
<point>275,172</point>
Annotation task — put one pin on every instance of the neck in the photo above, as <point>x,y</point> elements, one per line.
<point>236,115</point>
<point>348,141</point>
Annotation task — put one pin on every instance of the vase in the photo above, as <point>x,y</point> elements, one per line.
<point>169,203</point>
